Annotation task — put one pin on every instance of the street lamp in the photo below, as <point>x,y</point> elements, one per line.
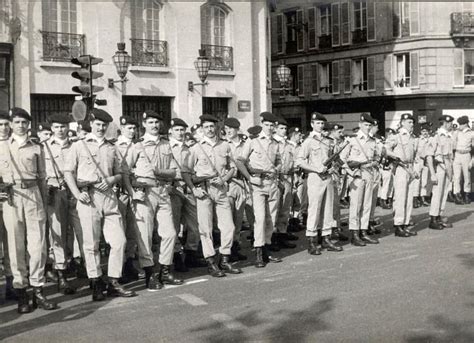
<point>284,75</point>
<point>122,61</point>
<point>202,65</point>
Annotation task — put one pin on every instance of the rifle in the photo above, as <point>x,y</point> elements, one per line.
<point>335,157</point>
<point>357,164</point>
<point>6,191</point>
<point>200,179</point>
<point>397,162</point>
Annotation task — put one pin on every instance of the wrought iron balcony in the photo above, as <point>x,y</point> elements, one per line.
<point>149,52</point>
<point>221,57</point>
<point>462,24</point>
<point>359,36</point>
<point>59,46</point>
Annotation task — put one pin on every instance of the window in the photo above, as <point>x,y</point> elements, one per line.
<point>4,16</point>
<point>59,16</point>
<point>406,19</point>
<point>347,76</point>
<point>371,21</point>
<point>335,77</point>
<point>359,74</point>
<point>314,79</point>
<point>291,32</point>
<point>218,107</point>
<point>360,15</point>
<point>335,24</point>
<point>371,73</point>
<point>345,23</point>
<point>312,24</point>
<point>299,30</point>
<point>326,78</point>
<point>279,33</point>
<point>469,67</point>
<point>325,14</point>
<point>402,70</point>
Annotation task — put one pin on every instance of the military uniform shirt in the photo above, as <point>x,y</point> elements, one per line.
<point>464,140</point>
<point>55,159</point>
<point>218,153</point>
<point>261,152</point>
<point>361,148</point>
<point>315,150</point>
<point>181,155</point>
<point>403,145</point>
<point>287,155</point>
<point>441,146</point>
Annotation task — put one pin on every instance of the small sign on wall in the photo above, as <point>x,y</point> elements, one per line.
<point>422,119</point>
<point>244,106</point>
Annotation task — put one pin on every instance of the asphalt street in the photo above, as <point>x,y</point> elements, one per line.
<point>418,289</point>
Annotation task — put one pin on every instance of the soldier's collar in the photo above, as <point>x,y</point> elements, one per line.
<point>21,140</point>
<point>122,139</point>
<point>91,137</point>
<point>235,142</point>
<point>150,138</point>
<point>264,135</point>
<point>443,131</point>
<point>362,135</point>
<point>292,143</point>
<point>174,142</point>
<point>209,141</point>
<point>56,140</point>
<point>313,134</point>
<point>466,129</point>
<point>279,138</point>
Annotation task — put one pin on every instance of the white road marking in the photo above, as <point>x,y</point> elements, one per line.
<point>195,281</point>
<point>228,321</point>
<point>410,257</point>
<point>192,299</point>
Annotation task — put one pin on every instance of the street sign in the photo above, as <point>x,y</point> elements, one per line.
<point>79,110</point>
<point>244,106</point>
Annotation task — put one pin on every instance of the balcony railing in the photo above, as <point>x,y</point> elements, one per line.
<point>462,24</point>
<point>221,57</point>
<point>359,36</point>
<point>149,52</point>
<point>59,46</point>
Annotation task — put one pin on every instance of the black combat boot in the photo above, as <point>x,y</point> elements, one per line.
<point>424,201</point>
<point>330,246</point>
<point>49,274</point>
<point>193,260</point>
<point>444,222</point>
<point>98,288</point>
<point>213,268</point>
<point>416,202</point>
<point>365,237</point>
<point>152,282</point>
<point>114,289</point>
<point>23,301</point>
<point>467,198</point>
<point>10,293</point>
<point>337,235</point>
<point>450,197</point>
<point>435,224</point>
<point>458,200</point>
<point>259,263</point>
<point>274,246</point>
<point>179,264</point>
<point>283,242</point>
<point>167,277</point>
<point>227,267</point>
<point>313,248</point>
<point>63,285</point>
<point>400,232</point>
<point>390,203</point>
<point>40,300</point>
<point>355,239</point>
<point>235,254</point>
<point>267,257</point>
<point>129,272</point>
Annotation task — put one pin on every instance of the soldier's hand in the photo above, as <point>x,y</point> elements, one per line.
<point>217,181</point>
<point>3,196</point>
<point>199,193</point>
<point>323,170</point>
<point>138,196</point>
<point>103,186</point>
<point>84,198</point>
<point>255,180</point>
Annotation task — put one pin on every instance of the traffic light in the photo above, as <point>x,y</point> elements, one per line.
<point>86,75</point>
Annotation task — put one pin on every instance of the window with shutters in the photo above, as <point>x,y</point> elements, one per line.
<point>312,34</point>
<point>345,24</point>
<point>314,79</point>
<point>291,32</point>
<point>148,47</point>
<point>359,33</point>
<point>60,39</point>
<point>406,19</point>
<point>335,77</point>
<point>300,30</point>
<point>300,80</point>
<point>468,67</point>
<point>325,83</point>
<point>346,66</point>
<point>325,15</point>
<point>371,32</point>
<point>336,25</point>
<point>371,73</point>
<point>359,74</point>
<point>4,16</point>
<point>387,72</point>
<point>402,70</point>
<point>215,35</point>
<point>279,33</point>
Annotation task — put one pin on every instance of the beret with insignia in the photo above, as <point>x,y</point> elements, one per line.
<point>59,118</point>
<point>19,112</point>
<point>208,118</point>
<point>4,115</point>
<point>254,130</point>
<point>389,130</point>
<point>328,126</point>
<point>126,120</point>
<point>318,116</point>
<point>407,116</point>
<point>268,116</point>
<point>44,127</point>
<point>232,122</point>
<point>100,114</point>
<point>281,121</point>
<point>366,117</point>
<point>447,118</point>
<point>195,127</point>
<point>151,114</point>
<point>243,136</point>
<point>425,126</point>
<point>294,130</point>
<point>338,126</point>
<point>178,122</point>
<point>71,133</point>
<point>463,120</point>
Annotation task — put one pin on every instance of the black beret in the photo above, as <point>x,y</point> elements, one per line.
<point>99,114</point>
<point>293,130</point>
<point>232,122</point>
<point>19,112</point>
<point>4,115</point>
<point>389,130</point>
<point>338,126</point>
<point>178,122</point>
<point>446,117</point>
<point>84,125</point>
<point>268,116</point>
<point>355,129</point>
<point>195,127</point>
<point>44,127</point>
<point>463,120</point>
<point>366,117</point>
<point>126,120</point>
<point>406,116</point>
<point>318,116</point>
<point>152,114</point>
<point>243,136</point>
<point>425,126</point>
<point>281,121</point>
<point>71,133</point>
<point>59,118</point>
<point>254,130</point>
<point>328,126</point>
<point>208,117</point>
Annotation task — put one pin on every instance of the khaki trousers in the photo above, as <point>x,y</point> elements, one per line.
<point>386,189</point>
<point>155,211</point>
<point>128,217</point>
<point>265,198</point>
<point>217,200</point>
<point>185,213</point>
<point>102,215</point>
<point>4,245</point>
<point>440,192</point>
<point>360,193</point>
<point>286,202</point>
<point>25,222</point>
<point>237,196</point>
<point>62,214</point>
<point>320,203</point>
<point>461,171</point>
<point>402,197</point>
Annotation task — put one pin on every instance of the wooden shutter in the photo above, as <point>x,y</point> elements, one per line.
<point>300,30</point>
<point>396,19</point>
<point>387,71</point>
<point>371,73</point>
<point>458,66</point>
<point>312,28</point>
<point>335,24</point>
<point>345,23</point>
<point>414,69</point>
<point>347,76</point>
<point>279,33</point>
<point>371,32</point>
<point>415,17</point>
<point>335,77</point>
<point>300,80</point>
<point>314,79</point>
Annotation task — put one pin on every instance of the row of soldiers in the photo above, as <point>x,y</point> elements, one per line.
<point>128,190</point>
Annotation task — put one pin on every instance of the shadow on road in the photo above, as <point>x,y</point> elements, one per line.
<point>290,326</point>
<point>467,260</point>
<point>447,331</point>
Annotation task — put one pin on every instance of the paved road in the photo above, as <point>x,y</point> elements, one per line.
<point>419,289</point>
